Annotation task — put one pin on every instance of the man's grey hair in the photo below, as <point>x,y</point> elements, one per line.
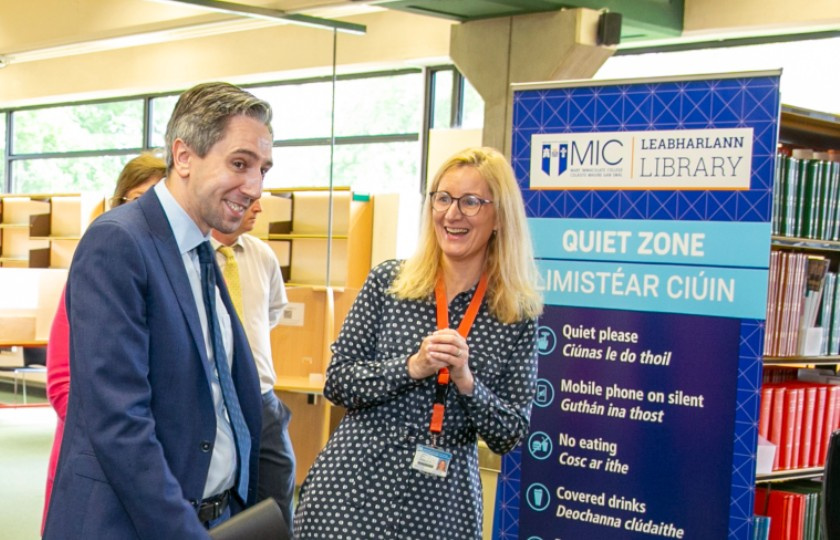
<point>202,114</point>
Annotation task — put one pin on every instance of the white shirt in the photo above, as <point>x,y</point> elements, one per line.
<point>263,299</point>
<point>221,475</point>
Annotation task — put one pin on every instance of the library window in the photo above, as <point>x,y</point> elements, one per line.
<point>376,123</point>
<point>82,174</point>
<point>375,127</point>
<point>73,147</point>
<point>455,103</point>
<point>390,105</point>
<point>366,168</point>
<point>472,116</point>
<point>161,109</point>
<point>443,84</point>
<point>805,81</point>
<point>73,128</point>
<point>301,111</point>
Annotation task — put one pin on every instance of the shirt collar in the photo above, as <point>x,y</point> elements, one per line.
<point>215,243</point>
<point>186,232</point>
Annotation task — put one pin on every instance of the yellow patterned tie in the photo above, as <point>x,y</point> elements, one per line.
<point>231,274</point>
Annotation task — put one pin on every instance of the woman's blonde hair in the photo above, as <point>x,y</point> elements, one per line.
<point>512,275</point>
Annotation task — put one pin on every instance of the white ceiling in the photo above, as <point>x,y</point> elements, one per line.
<point>39,29</point>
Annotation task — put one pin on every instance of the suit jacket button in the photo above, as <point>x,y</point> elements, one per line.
<point>206,446</point>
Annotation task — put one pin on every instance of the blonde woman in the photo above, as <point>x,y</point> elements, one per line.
<point>436,351</point>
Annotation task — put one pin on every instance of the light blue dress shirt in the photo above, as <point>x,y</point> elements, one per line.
<point>222,473</point>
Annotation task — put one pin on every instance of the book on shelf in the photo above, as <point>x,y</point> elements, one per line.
<point>834,334</point>
<point>806,426</point>
<point>824,320</point>
<point>761,528</point>
<point>819,423</point>
<point>790,510</point>
<point>785,509</point>
<point>797,416</point>
<point>787,282</point>
<point>803,309</point>
<point>809,335</point>
<point>811,492</point>
<point>805,194</point>
<point>789,444</point>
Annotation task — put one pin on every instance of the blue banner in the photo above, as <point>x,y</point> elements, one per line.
<point>649,204</point>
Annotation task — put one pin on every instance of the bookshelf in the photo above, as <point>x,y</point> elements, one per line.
<point>296,224</point>
<point>784,476</point>
<point>15,214</point>
<point>800,397</point>
<point>42,231</point>
<point>62,228</point>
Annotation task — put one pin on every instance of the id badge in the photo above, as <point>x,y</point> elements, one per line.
<point>431,460</point>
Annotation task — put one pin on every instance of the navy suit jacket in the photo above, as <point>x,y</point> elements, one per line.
<point>140,423</point>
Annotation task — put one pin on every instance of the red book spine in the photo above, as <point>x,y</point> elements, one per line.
<point>832,397</point>
<point>788,428</point>
<point>836,422</point>
<point>819,418</point>
<point>805,441</point>
<point>765,410</point>
<point>776,423</point>
<point>779,511</point>
<point>796,522</point>
<point>798,421</point>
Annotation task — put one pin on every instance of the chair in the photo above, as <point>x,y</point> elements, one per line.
<point>34,361</point>
<point>830,509</point>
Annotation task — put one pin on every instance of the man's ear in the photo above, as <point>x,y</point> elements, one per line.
<point>181,158</point>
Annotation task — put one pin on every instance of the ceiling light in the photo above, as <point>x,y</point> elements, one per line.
<point>135,40</point>
<point>273,15</point>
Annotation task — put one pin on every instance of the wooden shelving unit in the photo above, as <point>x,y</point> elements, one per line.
<point>296,224</point>
<point>15,241</point>
<point>42,231</point>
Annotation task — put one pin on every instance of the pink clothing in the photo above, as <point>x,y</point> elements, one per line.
<point>58,386</point>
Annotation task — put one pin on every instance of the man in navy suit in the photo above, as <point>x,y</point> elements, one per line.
<point>149,449</point>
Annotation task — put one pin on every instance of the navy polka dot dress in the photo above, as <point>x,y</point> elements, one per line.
<point>362,485</point>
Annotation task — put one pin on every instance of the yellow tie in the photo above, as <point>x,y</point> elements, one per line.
<point>231,274</point>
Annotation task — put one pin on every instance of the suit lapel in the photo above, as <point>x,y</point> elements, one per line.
<point>173,265</point>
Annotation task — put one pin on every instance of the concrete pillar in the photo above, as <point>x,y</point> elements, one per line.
<point>495,53</point>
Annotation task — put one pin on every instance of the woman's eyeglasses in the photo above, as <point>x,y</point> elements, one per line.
<point>469,205</point>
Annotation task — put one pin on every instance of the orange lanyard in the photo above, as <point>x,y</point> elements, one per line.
<point>438,408</point>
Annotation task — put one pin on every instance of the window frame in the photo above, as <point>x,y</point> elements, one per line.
<point>456,112</point>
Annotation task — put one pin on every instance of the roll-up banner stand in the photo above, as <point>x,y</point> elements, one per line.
<point>649,202</point>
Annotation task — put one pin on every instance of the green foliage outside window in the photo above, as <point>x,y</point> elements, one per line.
<point>97,126</point>
<point>96,174</point>
<point>301,111</point>
<point>377,121</point>
<point>162,108</point>
<point>473,115</point>
<point>442,104</point>
<point>372,106</point>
